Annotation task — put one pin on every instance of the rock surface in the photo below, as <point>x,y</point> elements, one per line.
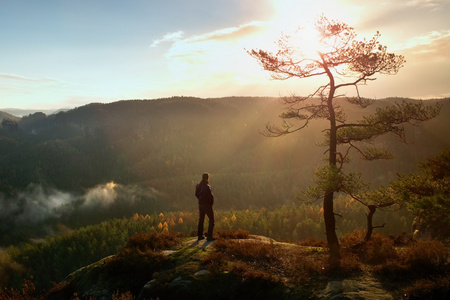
<point>353,289</point>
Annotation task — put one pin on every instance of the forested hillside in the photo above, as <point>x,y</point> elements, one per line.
<point>161,143</point>
<point>156,150</point>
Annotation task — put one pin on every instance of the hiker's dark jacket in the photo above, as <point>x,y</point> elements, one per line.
<point>203,193</point>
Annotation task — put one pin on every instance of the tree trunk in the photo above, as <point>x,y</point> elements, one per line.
<point>328,204</point>
<point>372,210</point>
<point>330,229</point>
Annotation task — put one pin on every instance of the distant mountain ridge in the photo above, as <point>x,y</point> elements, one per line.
<point>18,112</point>
<point>6,115</point>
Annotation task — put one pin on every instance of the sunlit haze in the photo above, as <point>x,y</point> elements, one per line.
<point>64,54</point>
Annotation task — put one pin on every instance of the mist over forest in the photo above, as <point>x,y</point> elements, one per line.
<point>103,161</point>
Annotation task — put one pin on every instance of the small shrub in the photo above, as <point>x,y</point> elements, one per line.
<point>249,250</point>
<point>233,234</point>
<point>419,259</point>
<point>349,264</point>
<point>215,261</point>
<point>122,296</point>
<point>261,261</point>
<point>254,261</point>
<point>426,257</point>
<point>312,242</point>
<point>379,250</point>
<point>27,292</point>
<point>402,239</point>
<point>393,269</point>
<point>254,274</point>
<point>350,239</point>
<point>301,266</point>
<point>436,288</point>
<point>153,240</point>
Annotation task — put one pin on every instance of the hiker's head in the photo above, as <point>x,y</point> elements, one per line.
<point>205,176</point>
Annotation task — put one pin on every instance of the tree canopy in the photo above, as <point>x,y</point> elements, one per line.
<point>427,194</point>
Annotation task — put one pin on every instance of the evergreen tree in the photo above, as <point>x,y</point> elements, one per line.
<point>345,63</point>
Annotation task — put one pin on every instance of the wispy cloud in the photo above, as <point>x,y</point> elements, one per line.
<point>434,46</point>
<point>25,82</point>
<point>214,57</point>
<point>428,39</point>
<point>26,79</point>
<point>169,37</point>
<point>228,34</point>
<point>212,46</point>
<point>427,4</point>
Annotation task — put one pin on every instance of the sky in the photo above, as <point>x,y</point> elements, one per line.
<point>68,53</point>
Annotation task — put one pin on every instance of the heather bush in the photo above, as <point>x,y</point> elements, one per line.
<point>253,274</point>
<point>265,261</point>
<point>122,296</point>
<point>215,261</point>
<point>232,234</point>
<point>350,264</point>
<point>426,257</point>
<point>379,249</point>
<point>27,292</point>
<point>353,238</point>
<point>433,288</point>
<point>153,240</point>
<point>312,242</point>
<point>249,250</point>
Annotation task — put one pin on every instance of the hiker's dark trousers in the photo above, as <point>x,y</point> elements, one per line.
<point>205,209</point>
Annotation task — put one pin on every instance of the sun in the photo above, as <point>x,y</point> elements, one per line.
<point>308,40</point>
<point>288,15</point>
<point>297,20</point>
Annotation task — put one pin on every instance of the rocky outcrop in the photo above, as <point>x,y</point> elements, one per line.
<point>180,274</point>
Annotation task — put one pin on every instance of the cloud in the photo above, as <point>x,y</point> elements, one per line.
<point>228,34</point>
<point>27,79</point>
<point>169,37</point>
<point>211,52</point>
<point>430,5</point>
<point>432,46</point>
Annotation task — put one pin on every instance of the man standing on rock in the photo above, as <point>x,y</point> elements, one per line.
<point>205,207</point>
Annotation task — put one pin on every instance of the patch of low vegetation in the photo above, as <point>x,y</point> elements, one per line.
<point>27,292</point>
<point>233,234</point>
<point>243,266</point>
<point>436,288</point>
<point>265,264</point>
<point>420,268</point>
<point>126,272</point>
<point>153,241</point>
